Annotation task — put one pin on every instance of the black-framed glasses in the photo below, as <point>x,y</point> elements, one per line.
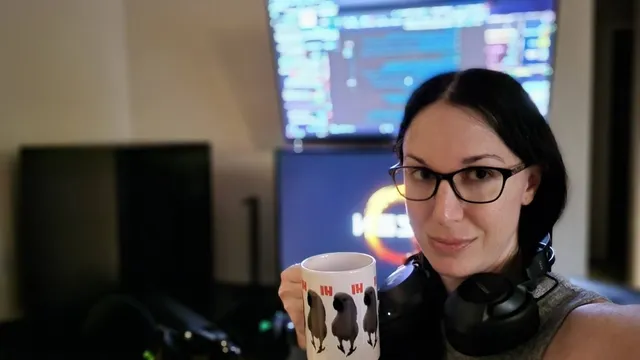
<point>474,184</point>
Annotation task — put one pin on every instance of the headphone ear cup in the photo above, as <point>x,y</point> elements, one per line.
<point>410,303</point>
<point>488,315</point>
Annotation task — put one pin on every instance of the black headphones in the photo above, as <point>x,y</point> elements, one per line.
<point>488,313</point>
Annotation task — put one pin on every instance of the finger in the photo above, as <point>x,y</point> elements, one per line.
<point>292,274</point>
<point>296,313</point>
<point>300,329</point>
<point>290,291</point>
<point>290,286</point>
<point>298,322</point>
<point>302,340</point>
<point>293,290</point>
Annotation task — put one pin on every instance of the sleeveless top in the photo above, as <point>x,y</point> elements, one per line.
<point>557,297</point>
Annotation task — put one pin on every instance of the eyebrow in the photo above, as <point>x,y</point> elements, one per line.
<point>467,161</point>
<point>475,158</point>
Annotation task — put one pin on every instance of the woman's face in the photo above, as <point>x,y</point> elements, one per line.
<point>461,238</point>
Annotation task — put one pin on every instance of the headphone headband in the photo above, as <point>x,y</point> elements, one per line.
<point>541,263</point>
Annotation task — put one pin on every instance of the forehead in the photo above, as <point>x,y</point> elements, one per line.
<point>444,135</point>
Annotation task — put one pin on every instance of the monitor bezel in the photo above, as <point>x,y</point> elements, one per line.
<point>278,154</point>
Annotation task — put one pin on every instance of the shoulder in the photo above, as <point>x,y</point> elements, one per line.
<point>598,330</point>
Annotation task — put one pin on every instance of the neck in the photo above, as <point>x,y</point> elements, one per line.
<point>510,264</point>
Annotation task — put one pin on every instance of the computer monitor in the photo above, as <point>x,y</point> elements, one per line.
<point>345,68</point>
<point>341,200</point>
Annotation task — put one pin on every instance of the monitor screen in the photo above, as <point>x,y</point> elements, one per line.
<point>341,200</point>
<point>345,68</point>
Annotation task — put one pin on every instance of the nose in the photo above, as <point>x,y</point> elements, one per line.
<point>447,207</point>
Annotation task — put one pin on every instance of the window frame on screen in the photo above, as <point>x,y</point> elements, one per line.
<point>381,139</point>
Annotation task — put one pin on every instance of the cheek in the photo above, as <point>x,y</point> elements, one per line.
<point>488,218</point>
<point>418,212</point>
<point>498,220</point>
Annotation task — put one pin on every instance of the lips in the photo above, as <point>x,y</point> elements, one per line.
<point>451,241</point>
<point>450,245</point>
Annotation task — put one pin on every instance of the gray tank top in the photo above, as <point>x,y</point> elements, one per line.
<point>557,298</point>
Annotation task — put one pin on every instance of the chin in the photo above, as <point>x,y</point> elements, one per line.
<point>453,266</point>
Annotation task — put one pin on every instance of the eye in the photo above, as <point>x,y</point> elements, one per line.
<point>479,174</point>
<point>420,174</point>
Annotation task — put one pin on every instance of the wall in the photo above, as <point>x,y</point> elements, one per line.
<point>63,78</point>
<point>570,120</point>
<point>202,69</point>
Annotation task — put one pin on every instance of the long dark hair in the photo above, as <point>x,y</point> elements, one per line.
<point>507,108</point>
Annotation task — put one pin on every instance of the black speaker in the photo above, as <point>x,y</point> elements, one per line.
<point>94,220</point>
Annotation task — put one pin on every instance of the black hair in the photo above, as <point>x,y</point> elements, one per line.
<point>507,108</point>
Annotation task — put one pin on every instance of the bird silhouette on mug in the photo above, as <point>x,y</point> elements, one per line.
<point>370,322</point>
<point>316,320</point>
<point>345,325</point>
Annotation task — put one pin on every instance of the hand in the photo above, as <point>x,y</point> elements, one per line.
<point>290,293</point>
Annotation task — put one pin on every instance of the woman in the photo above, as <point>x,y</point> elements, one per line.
<point>509,190</point>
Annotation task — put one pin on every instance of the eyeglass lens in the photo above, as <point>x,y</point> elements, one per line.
<point>475,184</point>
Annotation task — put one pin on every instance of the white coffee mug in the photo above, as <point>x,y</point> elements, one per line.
<point>341,306</point>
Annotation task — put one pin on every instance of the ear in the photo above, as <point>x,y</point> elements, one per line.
<point>533,183</point>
